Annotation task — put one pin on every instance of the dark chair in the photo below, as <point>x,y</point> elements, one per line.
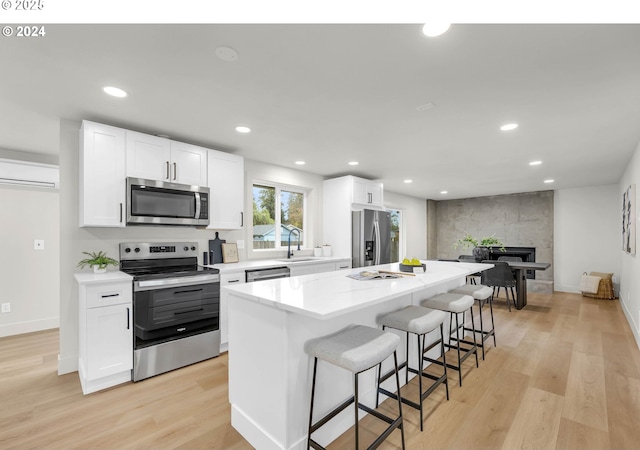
<point>471,279</point>
<point>500,276</point>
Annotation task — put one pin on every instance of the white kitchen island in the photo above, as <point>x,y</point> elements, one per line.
<point>269,323</point>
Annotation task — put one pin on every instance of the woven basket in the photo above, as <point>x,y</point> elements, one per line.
<point>605,288</point>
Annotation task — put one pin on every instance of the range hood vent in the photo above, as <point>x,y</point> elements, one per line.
<point>24,173</point>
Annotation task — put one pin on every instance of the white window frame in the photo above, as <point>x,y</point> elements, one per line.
<point>278,237</point>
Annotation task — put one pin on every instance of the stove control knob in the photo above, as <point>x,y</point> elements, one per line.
<point>137,250</point>
<point>186,249</point>
<point>193,248</point>
<point>127,250</point>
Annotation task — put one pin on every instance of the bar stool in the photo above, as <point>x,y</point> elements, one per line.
<point>419,321</point>
<point>455,304</point>
<point>356,348</point>
<point>482,294</point>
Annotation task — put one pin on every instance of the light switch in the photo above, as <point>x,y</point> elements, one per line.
<point>38,244</point>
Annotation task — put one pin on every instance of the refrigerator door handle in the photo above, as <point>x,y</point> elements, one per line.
<point>376,228</point>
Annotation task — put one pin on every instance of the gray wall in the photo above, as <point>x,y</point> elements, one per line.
<point>519,220</point>
<point>30,279</point>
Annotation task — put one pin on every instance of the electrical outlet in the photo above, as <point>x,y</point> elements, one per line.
<point>240,243</point>
<point>38,244</point>
<point>6,307</point>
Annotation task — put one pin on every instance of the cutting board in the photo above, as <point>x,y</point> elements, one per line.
<point>215,249</point>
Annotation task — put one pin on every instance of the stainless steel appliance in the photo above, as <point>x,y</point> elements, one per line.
<point>176,306</point>
<point>370,238</point>
<point>270,273</point>
<point>151,202</point>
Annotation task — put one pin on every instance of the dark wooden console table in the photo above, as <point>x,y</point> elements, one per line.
<point>520,270</point>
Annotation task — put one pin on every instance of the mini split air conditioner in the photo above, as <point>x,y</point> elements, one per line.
<point>24,173</point>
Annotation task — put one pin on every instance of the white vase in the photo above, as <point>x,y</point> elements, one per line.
<point>326,250</point>
<point>317,251</point>
<point>97,269</point>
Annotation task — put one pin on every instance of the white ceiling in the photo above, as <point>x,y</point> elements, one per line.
<point>329,94</point>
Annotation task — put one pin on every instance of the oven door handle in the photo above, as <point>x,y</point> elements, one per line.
<point>147,285</point>
<point>187,312</point>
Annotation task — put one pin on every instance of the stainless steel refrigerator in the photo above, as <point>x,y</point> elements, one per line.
<point>370,238</point>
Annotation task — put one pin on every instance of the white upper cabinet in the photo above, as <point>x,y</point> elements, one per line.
<point>157,158</point>
<point>148,156</point>
<point>188,164</point>
<point>366,192</point>
<point>102,175</point>
<point>226,196</point>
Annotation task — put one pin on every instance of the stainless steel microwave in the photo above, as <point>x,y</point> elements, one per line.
<point>151,202</point>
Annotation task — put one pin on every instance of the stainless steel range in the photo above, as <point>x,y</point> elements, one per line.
<point>176,306</point>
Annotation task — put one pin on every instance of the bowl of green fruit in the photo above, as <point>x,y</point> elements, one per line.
<point>412,265</point>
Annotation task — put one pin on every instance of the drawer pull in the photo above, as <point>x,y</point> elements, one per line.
<point>234,281</point>
<point>128,324</point>
<point>110,295</point>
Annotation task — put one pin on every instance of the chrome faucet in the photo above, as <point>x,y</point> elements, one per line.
<point>289,252</point>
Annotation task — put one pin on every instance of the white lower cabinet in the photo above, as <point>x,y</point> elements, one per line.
<point>227,279</point>
<point>105,356</point>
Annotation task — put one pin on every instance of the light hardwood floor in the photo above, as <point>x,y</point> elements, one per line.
<point>565,375</point>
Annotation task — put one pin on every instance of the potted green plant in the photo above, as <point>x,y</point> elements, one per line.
<point>98,260</point>
<point>481,248</point>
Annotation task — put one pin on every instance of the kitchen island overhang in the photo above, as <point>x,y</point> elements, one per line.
<point>269,323</point>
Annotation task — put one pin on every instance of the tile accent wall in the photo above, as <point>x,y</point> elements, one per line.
<point>519,220</point>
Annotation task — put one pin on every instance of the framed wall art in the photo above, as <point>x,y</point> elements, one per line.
<point>629,220</point>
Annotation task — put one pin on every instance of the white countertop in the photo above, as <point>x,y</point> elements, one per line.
<point>265,263</point>
<point>109,276</point>
<point>330,294</point>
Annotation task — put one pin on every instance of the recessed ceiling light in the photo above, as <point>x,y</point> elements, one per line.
<point>509,126</point>
<point>226,54</point>
<point>433,29</point>
<point>535,163</point>
<point>549,181</point>
<point>114,91</point>
<point>444,192</point>
<point>243,129</point>
<point>408,181</point>
<point>353,163</point>
<point>300,163</point>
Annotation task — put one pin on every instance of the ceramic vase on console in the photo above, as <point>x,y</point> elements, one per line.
<point>98,269</point>
<point>481,253</point>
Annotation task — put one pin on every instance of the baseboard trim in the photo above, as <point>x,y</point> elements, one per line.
<point>67,365</point>
<point>632,324</point>
<point>13,329</point>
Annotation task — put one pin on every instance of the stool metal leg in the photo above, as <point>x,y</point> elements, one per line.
<point>475,344</point>
<point>481,327</point>
<point>355,395</point>
<point>458,349</point>
<point>313,392</point>
<point>493,327</point>
<point>444,360</point>
<point>420,368</point>
<point>401,426</point>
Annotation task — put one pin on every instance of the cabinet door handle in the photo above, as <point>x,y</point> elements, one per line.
<point>128,321</point>
<point>110,295</point>
<point>120,212</point>
<point>370,197</point>
<point>175,171</point>
<point>241,218</point>
<point>168,174</point>
<point>234,281</point>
